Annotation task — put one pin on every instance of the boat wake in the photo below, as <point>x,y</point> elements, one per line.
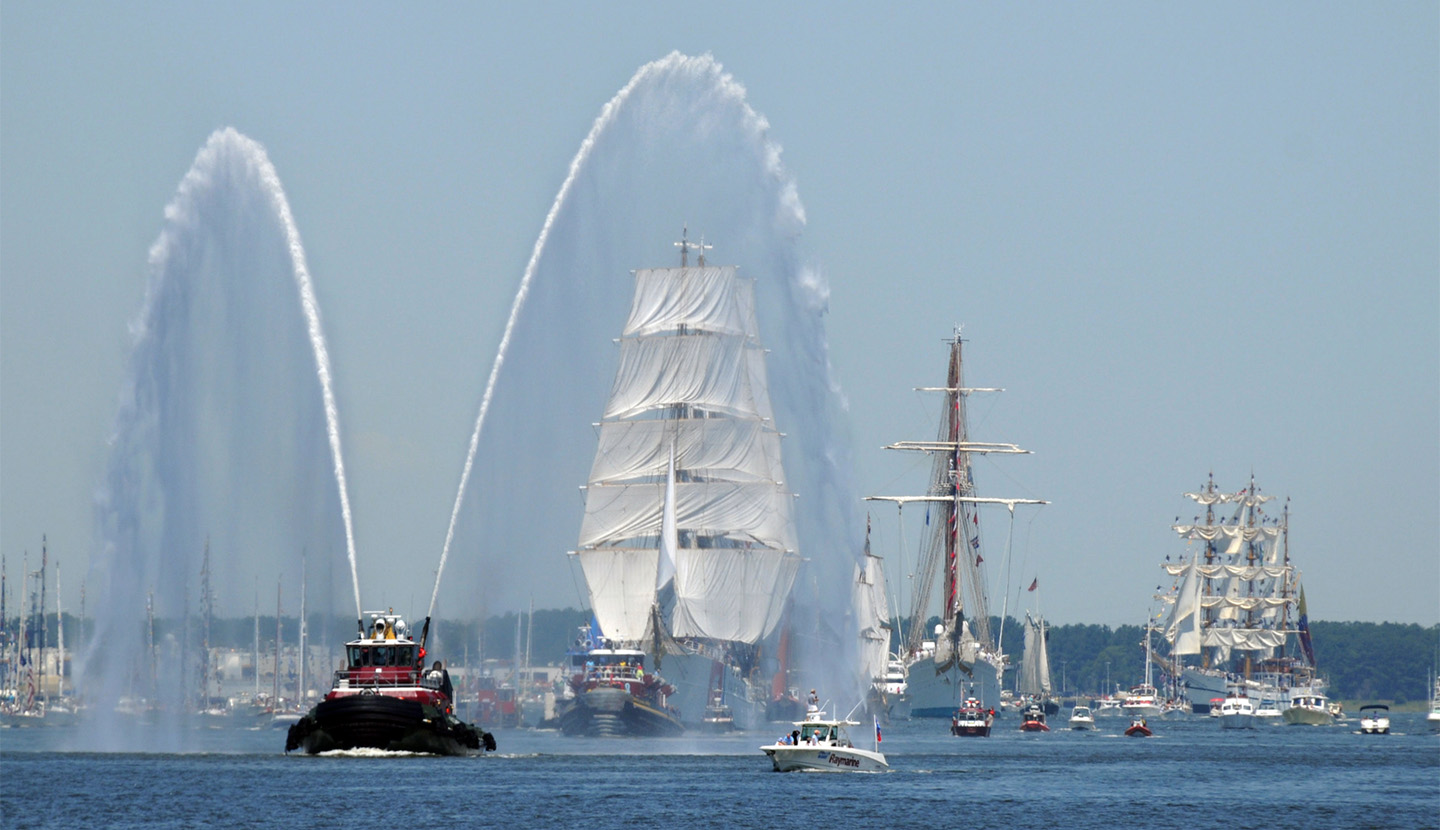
<point>370,752</point>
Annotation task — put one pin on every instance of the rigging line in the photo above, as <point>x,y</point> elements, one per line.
<point>580,595</point>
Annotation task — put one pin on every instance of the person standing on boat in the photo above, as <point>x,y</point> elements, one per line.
<point>439,675</point>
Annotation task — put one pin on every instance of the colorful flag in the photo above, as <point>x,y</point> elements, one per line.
<point>978,559</point>
<point>1034,585</point>
<point>878,739</point>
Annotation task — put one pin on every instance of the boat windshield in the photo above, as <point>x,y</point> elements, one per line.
<point>366,656</point>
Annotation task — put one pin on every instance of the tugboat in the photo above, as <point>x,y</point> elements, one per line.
<point>385,699</point>
<point>614,694</point>
<point>972,720</point>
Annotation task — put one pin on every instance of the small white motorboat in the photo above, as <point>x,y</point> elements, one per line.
<point>1080,718</point>
<point>820,743</point>
<point>1237,712</point>
<point>1375,719</point>
<point>1308,707</point>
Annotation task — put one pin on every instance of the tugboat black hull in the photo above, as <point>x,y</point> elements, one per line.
<point>380,722</point>
<point>610,712</point>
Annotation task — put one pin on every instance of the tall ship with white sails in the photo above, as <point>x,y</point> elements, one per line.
<point>964,659</point>
<point>1238,617</point>
<point>688,543</point>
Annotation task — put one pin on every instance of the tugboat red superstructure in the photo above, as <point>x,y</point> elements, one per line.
<point>384,698</point>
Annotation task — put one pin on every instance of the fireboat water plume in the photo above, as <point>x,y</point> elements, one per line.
<point>222,434</point>
<point>677,145</point>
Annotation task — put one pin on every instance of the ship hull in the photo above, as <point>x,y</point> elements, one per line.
<point>933,695</point>
<point>825,758</point>
<point>381,722</point>
<point>1305,716</point>
<point>607,711</point>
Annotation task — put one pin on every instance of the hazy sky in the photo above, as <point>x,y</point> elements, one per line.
<point>1184,238</point>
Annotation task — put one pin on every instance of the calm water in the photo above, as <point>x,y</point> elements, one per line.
<point>1191,774</point>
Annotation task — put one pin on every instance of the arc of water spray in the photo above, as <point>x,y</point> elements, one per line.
<point>606,117</point>
<point>271,181</point>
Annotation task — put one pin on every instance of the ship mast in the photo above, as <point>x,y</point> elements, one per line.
<point>952,484</point>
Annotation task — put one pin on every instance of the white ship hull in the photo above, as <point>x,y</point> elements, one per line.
<point>824,758</point>
<point>934,695</point>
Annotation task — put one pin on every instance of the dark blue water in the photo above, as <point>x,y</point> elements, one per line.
<point>1191,774</point>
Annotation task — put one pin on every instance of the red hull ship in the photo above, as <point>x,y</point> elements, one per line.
<point>385,699</point>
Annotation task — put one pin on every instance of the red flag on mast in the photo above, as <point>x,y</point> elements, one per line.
<point>1034,585</point>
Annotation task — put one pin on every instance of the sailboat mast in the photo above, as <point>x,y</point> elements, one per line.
<point>59,638</point>
<point>5,643</point>
<point>44,629</point>
<point>255,647</point>
<point>205,611</point>
<point>304,634</point>
<point>275,688</point>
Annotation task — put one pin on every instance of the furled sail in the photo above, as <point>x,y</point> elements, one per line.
<point>688,469</point>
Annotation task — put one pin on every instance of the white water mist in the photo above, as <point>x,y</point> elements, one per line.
<point>677,145</point>
<point>223,433</point>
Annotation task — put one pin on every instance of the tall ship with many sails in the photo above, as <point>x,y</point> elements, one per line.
<point>1238,619</point>
<point>688,544</point>
<point>964,660</point>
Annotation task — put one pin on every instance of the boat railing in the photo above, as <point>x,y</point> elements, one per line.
<point>347,679</point>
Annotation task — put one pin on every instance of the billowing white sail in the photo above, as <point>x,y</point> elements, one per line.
<point>622,589</point>
<point>687,478</point>
<point>715,448</point>
<point>757,514</point>
<point>730,593</point>
<point>1035,664</point>
<point>1183,627</point>
<point>708,299</point>
<point>872,615</point>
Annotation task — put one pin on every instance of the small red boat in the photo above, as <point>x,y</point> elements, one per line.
<point>385,699</point>
<point>1032,718</point>
<point>1138,729</point>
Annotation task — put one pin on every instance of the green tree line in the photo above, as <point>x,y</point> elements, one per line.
<point>1362,660</point>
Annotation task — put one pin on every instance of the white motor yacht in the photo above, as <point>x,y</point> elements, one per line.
<point>1309,708</point>
<point>820,743</point>
<point>1237,712</point>
<point>1081,718</point>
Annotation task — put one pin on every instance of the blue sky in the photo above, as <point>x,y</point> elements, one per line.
<point>1184,238</point>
